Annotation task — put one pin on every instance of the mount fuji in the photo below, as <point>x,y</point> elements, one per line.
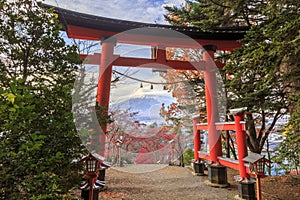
<point>146,102</point>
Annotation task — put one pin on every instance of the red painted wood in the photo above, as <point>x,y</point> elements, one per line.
<point>103,90</point>
<point>149,63</point>
<point>202,126</point>
<point>203,156</point>
<point>93,34</point>
<point>233,164</point>
<point>221,126</point>
<point>160,64</point>
<point>241,144</point>
<point>214,138</point>
<point>197,142</point>
<point>78,32</point>
<point>105,73</point>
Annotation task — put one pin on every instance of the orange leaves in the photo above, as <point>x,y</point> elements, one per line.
<point>174,17</point>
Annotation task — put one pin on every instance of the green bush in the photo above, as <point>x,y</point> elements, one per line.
<point>188,155</point>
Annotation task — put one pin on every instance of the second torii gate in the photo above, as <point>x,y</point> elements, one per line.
<point>89,27</point>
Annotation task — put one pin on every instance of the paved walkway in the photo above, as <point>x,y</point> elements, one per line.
<point>169,182</point>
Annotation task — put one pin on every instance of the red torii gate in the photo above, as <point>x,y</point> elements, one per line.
<point>89,27</point>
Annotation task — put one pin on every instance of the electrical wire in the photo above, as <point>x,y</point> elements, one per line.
<point>125,75</point>
<point>145,81</point>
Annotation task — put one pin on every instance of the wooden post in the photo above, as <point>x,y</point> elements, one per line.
<point>105,72</point>
<point>242,146</point>
<point>214,139</point>
<point>197,142</point>
<point>104,82</point>
<point>258,188</point>
<point>91,189</point>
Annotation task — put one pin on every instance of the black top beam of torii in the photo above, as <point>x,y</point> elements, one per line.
<point>86,26</point>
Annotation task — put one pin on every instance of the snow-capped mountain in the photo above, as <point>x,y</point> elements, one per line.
<point>147,105</point>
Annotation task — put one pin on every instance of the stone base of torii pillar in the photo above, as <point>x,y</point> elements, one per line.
<point>217,176</point>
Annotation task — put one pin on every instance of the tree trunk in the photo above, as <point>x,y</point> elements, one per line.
<point>252,140</point>
<point>290,72</point>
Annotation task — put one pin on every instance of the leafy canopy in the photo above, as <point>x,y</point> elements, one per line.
<point>264,73</point>
<point>38,139</point>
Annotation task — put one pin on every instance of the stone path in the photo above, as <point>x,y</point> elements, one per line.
<point>168,182</point>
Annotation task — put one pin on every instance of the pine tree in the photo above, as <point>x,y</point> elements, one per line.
<point>265,71</point>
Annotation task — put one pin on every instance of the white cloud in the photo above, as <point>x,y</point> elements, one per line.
<point>149,11</point>
<point>133,10</point>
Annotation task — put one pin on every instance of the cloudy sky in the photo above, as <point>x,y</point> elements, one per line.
<point>150,11</point>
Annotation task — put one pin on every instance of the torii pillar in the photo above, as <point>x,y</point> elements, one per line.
<point>217,174</point>
<point>103,89</point>
<point>214,139</point>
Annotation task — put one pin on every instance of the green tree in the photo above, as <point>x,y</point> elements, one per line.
<point>287,152</point>
<point>265,71</point>
<point>38,141</point>
<point>271,49</point>
<point>210,14</point>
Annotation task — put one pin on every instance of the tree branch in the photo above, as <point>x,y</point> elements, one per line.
<point>263,125</point>
<point>220,4</point>
<point>264,138</point>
